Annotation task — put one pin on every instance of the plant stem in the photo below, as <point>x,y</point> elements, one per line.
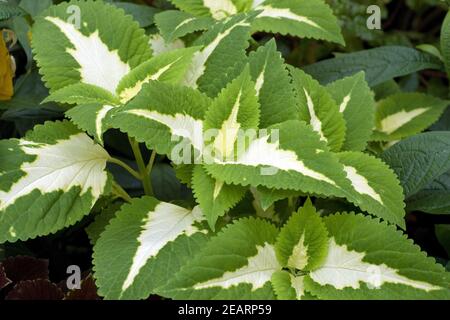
<point>133,172</point>
<point>151,162</point>
<point>120,192</point>
<point>144,177</point>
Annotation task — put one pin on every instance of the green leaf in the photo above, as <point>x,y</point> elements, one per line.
<point>173,24</point>
<point>98,53</point>
<point>141,246</point>
<point>160,113</point>
<point>405,114</point>
<point>224,46</point>
<point>234,110</point>
<point>445,42</point>
<point>8,10</point>
<point>319,110</point>
<point>238,263</point>
<point>101,220</point>
<point>92,118</point>
<point>50,180</point>
<point>214,197</point>
<point>143,14</point>
<point>288,286</point>
<point>434,198</point>
<point>356,103</point>
<point>303,241</point>
<point>279,159</point>
<point>34,7</point>
<point>376,188</point>
<point>82,93</point>
<point>273,86</point>
<point>419,160</point>
<point>379,64</point>
<point>169,67</point>
<point>368,259</point>
<point>443,235</point>
<point>218,9</point>
<point>300,18</point>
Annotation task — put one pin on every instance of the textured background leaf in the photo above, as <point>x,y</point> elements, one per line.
<point>418,160</point>
<point>379,64</point>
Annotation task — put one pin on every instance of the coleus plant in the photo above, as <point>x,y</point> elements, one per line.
<point>240,127</point>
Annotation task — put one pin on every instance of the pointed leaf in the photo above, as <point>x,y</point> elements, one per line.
<point>169,67</point>
<point>173,24</point>
<point>140,243</point>
<point>90,50</point>
<point>368,259</point>
<point>218,9</point>
<point>50,180</point>
<point>214,197</point>
<point>303,241</point>
<point>376,187</point>
<point>224,45</point>
<point>319,109</point>
<point>300,18</point>
<point>405,114</point>
<point>356,102</point>
<point>82,93</point>
<point>273,86</point>
<point>238,263</point>
<point>162,112</point>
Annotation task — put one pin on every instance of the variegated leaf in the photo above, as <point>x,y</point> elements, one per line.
<point>303,241</point>
<point>86,47</point>
<point>356,102</point>
<point>143,245</point>
<point>273,86</point>
<point>173,24</point>
<point>301,18</point>
<point>319,109</point>
<point>368,259</point>
<point>49,180</point>
<point>238,263</point>
<point>405,114</point>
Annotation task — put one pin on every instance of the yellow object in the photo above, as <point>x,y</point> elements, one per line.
<point>6,72</point>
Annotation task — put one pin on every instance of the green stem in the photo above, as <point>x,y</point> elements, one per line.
<point>151,162</point>
<point>133,172</point>
<point>120,192</point>
<point>145,178</point>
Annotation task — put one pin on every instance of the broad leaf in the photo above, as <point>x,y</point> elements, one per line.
<point>379,64</point>
<point>223,45</point>
<point>376,187</point>
<point>50,180</point>
<point>434,198</point>
<point>214,197</point>
<point>273,86</point>
<point>82,93</point>
<point>356,103</point>
<point>235,110</point>
<point>368,259</point>
<point>419,160</point>
<point>405,114</point>
<point>142,245</point>
<point>238,263</point>
<point>300,18</point>
<point>90,50</point>
<point>162,114</point>
<point>303,241</point>
<point>169,67</point>
<point>319,110</point>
